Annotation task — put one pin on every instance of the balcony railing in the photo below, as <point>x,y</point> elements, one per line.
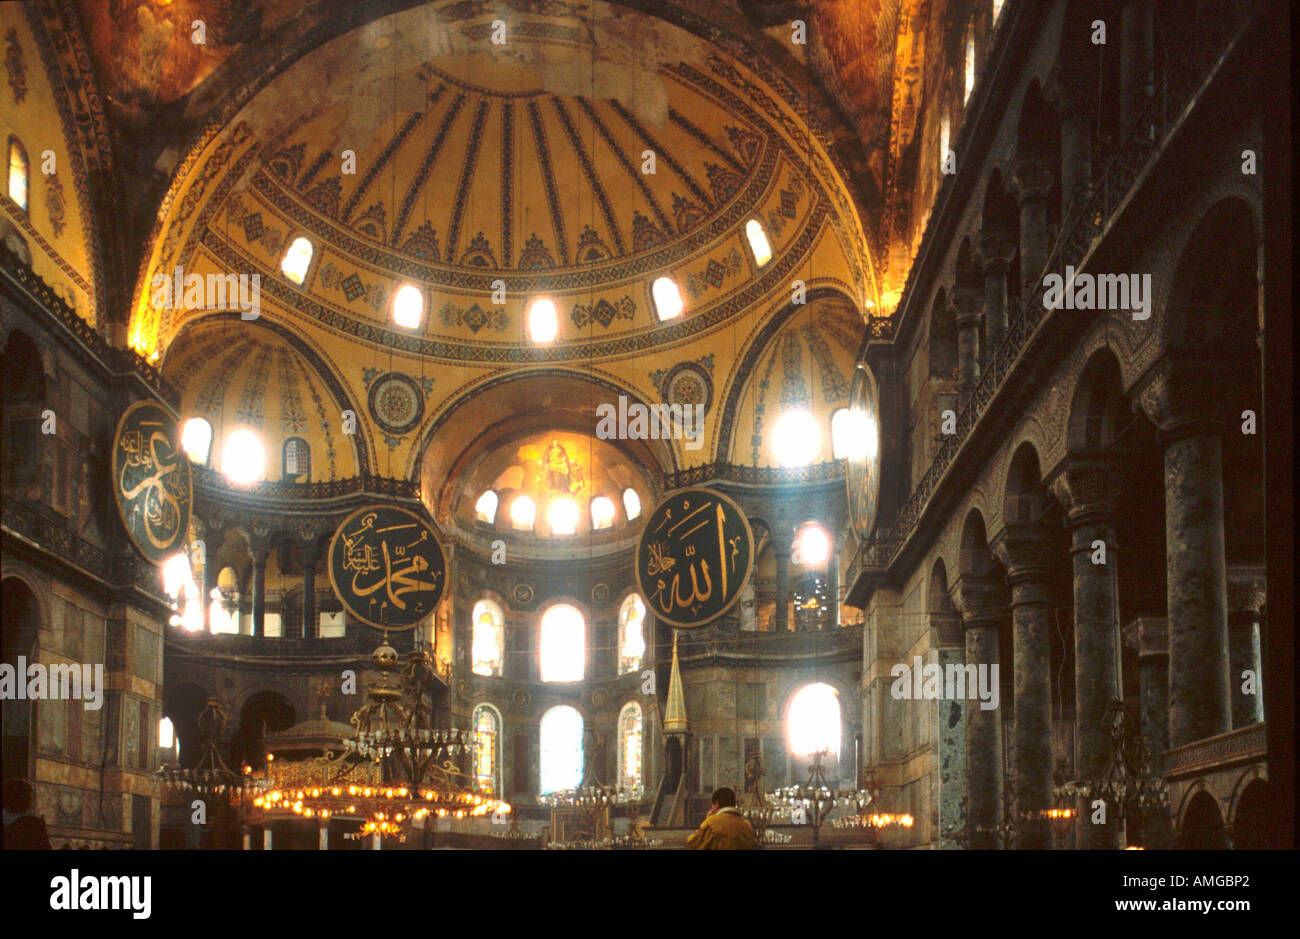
<point>1086,222</point>
<point>758,475</point>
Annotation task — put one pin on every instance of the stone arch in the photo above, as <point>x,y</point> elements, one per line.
<point>182,704</point>
<point>1098,405</point>
<point>1201,826</point>
<point>942,338</point>
<point>1252,813</point>
<point>1216,280</point>
<point>1038,138</point>
<point>22,621</point>
<point>263,711</point>
<point>945,623</point>
<point>1025,498</point>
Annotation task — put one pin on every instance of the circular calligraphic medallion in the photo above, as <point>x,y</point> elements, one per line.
<point>688,384</point>
<point>387,567</point>
<point>153,484</point>
<point>862,468</point>
<point>396,402</point>
<point>695,553</point>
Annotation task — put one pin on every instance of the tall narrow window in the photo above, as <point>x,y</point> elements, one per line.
<point>629,748</point>
<point>543,321</point>
<point>631,634</point>
<point>970,60</point>
<point>795,438</point>
<point>485,509</point>
<point>297,259</point>
<point>297,459</point>
<point>523,511</point>
<point>841,428</point>
<point>997,9</point>
<point>408,307</point>
<point>563,516</point>
<point>561,749</point>
<point>602,513</point>
<point>489,635</point>
<point>196,440</point>
<point>631,504</point>
<point>563,644</point>
<point>945,138</point>
<point>815,720</point>
<point>668,299</point>
<point>487,748</point>
<point>758,243</point>
<point>243,458</point>
<point>18,175</point>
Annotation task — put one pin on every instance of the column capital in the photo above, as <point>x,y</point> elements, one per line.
<point>1149,635</point>
<point>1022,549</point>
<point>996,248</point>
<point>1177,393</point>
<point>981,599</point>
<point>1246,589</point>
<point>1032,177</point>
<point>1087,486</point>
<point>967,301</point>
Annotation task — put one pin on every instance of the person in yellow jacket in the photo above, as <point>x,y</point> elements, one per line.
<point>725,828</point>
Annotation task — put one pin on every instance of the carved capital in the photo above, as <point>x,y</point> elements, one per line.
<point>1087,487</point>
<point>996,248</point>
<point>981,599</point>
<point>1246,590</point>
<point>1149,635</point>
<point>1032,177</point>
<point>967,301</point>
<point>1177,393</point>
<point>1022,549</point>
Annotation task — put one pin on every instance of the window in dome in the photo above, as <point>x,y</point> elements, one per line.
<point>758,242</point>
<point>815,720</point>
<point>602,513</point>
<point>297,459</point>
<point>485,509</point>
<point>196,440</point>
<point>812,546</point>
<point>563,516</point>
<point>629,748</point>
<point>487,748</point>
<point>631,504</point>
<point>243,458</point>
<point>297,259</point>
<point>795,439</point>
<point>631,634</point>
<point>561,745</point>
<point>489,638</point>
<point>18,173</point>
<point>668,299</point>
<point>563,644</point>
<point>408,307</point>
<point>523,511</point>
<point>543,321</point>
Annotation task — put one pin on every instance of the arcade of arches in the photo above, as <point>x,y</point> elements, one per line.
<point>1006,548</point>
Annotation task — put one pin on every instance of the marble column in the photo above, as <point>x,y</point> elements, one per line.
<point>1149,635</point>
<point>1032,178</point>
<point>1022,550</point>
<point>1245,618</point>
<point>996,249</point>
<point>1177,396</point>
<point>981,605</point>
<point>1087,490</point>
<point>781,615</point>
<point>967,301</point>
<point>259,590</point>
<point>310,620</point>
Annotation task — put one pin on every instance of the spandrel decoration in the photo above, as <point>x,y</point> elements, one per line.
<point>387,567</point>
<point>694,556</point>
<point>152,482</point>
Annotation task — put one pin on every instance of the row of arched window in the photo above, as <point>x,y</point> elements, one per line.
<point>562,513</point>
<point>563,639</point>
<point>561,748</point>
<point>243,455</point>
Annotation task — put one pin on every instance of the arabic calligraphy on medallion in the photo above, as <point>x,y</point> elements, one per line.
<point>152,481</point>
<point>387,567</point>
<point>694,556</point>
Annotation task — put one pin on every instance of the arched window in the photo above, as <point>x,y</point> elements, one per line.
<point>631,634</point>
<point>795,438</point>
<point>522,513</point>
<point>629,748</point>
<point>812,546</point>
<point>631,504</point>
<point>602,513</point>
<point>969,47</point>
<point>223,610</point>
<point>758,243</point>
<point>543,321</point>
<point>563,516</point>
<point>178,583</point>
<point>297,459</point>
<point>841,434</point>
<point>487,748</point>
<point>243,458</point>
<point>561,749</point>
<point>18,175</point>
<point>814,720</point>
<point>196,440</point>
<point>668,300</point>
<point>485,509</point>
<point>297,259</point>
<point>489,634</point>
<point>563,644</point>
<point>408,307</point>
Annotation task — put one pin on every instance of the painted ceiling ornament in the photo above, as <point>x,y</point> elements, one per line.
<point>862,467</point>
<point>694,557</point>
<point>396,402</point>
<point>54,204</point>
<point>387,567</point>
<point>687,383</point>
<point>152,481</point>
<point>523,594</point>
<point>14,66</point>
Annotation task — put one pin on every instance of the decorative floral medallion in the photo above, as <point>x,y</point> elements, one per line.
<point>396,402</point>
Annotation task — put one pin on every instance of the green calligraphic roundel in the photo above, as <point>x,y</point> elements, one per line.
<point>387,567</point>
<point>695,554</point>
<point>153,485</point>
